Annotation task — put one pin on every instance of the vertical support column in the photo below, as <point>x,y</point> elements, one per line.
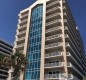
<point>27,33</point>
<point>64,44</point>
<point>26,42</point>
<point>43,43</point>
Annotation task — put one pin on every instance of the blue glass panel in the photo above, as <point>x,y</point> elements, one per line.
<point>34,45</point>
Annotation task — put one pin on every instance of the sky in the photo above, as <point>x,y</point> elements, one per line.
<point>9,10</point>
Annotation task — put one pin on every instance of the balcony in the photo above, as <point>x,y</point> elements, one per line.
<point>53,10</point>
<point>22,21</point>
<point>20,45</point>
<point>22,33</point>
<point>65,14</point>
<point>53,55</point>
<point>59,76</point>
<point>52,4</point>
<point>68,38</point>
<point>22,27</point>
<point>5,46</point>
<point>73,60</point>
<point>54,23</point>
<point>24,16</point>
<point>53,46</point>
<point>64,8</point>
<point>54,30</point>
<point>69,48</point>
<point>52,76</point>
<point>6,50</point>
<point>74,69</point>
<point>65,21</point>
<point>54,38</point>
<point>53,16</point>
<point>21,40</point>
<point>54,65</point>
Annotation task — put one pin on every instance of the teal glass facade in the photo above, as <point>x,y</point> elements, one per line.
<point>34,44</point>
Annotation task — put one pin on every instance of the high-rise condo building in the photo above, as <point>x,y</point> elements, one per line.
<point>48,36</point>
<point>5,49</point>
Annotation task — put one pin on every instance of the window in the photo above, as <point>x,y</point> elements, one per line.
<point>34,44</point>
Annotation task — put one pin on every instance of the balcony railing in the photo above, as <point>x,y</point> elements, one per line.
<point>53,15</point>
<point>53,54</point>
<point>21,38</point>
<point>20,27</point>
<point>53,37</point>
<point>53,3</point>
<point>53,45</point>
<point>65,20</point>
<point>53,29</point>
<point>49,76</point>
<point>59,76</point>
<point>52,22</point>
<point>22,32</point>
<point>23,21</point>
<point>56,64</point>
<point>69,54</point>
<point>53,9</point>
<point>20,45</point>
<point>72,66</point>
<point>23,15</point>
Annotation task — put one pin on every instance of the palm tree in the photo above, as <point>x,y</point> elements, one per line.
<point>19,63</point>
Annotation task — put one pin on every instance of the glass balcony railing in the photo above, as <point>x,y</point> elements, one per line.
<point>53,3</point>
<point>53,37</point>
<point>22,26</point>
<point>20,45</point>
<point>53,22</point>
<point>53,45</point>
<point>22,32</point>
<point>72,66</point>
<point>60,76</point>
<point>53,9</point>
<point>23,21</point>
<point>21,38</point>
<point>53,29</point>
<point>53,15</point>
<point>24,15</point>
<point>47,76</point>
<point>56,64</point>
<point>53,54</point>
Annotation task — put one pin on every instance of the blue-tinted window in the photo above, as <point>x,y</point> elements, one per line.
<point>34,45</point>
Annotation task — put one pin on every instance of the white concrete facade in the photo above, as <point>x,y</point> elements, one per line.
<point>59,46</point>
